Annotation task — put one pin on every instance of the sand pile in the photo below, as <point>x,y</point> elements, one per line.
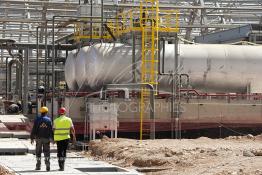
<point>232,155</point>
<point>4,171</point>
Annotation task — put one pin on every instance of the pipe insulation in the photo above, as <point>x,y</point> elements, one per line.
<point>211,67</point>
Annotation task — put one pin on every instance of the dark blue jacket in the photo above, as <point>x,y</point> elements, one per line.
<point>42,128</point>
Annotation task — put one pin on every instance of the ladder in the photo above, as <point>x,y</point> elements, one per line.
<point>149,25</point>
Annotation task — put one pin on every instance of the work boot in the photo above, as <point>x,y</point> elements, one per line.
<point>47,168</point>
<point>61,165</point>
<point>61,168</point>
<point>37,168</point>
<point>38,165</point>
<point>47,163</point>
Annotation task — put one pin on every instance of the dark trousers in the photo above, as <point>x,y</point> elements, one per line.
<point>61,151</point>
<point>42,144</point>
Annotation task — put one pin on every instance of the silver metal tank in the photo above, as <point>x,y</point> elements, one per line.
<point>102,64</point>
<point>211,67</point>
<point>219,67</point>
<point>70,71</point>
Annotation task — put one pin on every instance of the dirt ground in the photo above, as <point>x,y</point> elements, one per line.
<point>234,155</point>
<point>3,171</point>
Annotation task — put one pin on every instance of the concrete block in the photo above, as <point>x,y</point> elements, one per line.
<point>12,146</point>
<point>6,134</point>
<point>25,164</point>
<point>21,134</point>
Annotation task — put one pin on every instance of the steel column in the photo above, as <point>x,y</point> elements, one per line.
<point>26,74</point>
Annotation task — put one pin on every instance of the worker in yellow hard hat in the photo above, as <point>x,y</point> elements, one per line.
<point>63,126</point>
<point>42,133</point>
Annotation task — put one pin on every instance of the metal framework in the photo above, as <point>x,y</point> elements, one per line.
<point>21,19</point>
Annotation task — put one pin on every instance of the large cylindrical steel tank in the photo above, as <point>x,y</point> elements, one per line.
<point>102,64</point>
<point>211,67</point>
<point>70,71</point>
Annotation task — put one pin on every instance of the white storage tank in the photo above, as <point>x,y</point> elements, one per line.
<point>211,67</point>
<point>70,71</point>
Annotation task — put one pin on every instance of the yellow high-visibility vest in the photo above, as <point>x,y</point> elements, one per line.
<point>62,127</point>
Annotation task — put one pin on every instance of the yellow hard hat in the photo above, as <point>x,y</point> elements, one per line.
<point>43,109</point>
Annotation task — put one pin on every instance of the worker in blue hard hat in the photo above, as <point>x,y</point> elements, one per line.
<point>42,133</point>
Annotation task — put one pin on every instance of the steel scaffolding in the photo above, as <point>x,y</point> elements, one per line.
<point>118,20</point>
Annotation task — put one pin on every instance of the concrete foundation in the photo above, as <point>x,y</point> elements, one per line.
<point>15,134</point>
<point>75,165</point>
<point>18,146</point>
<point>17,155</point>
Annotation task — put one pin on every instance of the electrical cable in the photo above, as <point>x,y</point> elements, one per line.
<point>220,124</point>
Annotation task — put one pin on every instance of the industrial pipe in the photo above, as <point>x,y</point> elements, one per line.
<point>161,63</point>
<point>125,90</point>
<point>91,22</point>
<point>172,7</point>
<point>175,88</point>
<point>6,78</point>
<point>18,60</point>
<point>19,65</point>
<point>26,74</point>
<point>134,57</point>
<point>41,46</point>
<point>37,68</point>
<point>46,50</point>
<point>102,19</point>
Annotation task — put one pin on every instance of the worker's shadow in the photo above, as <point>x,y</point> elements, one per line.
<point>35,171</point>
